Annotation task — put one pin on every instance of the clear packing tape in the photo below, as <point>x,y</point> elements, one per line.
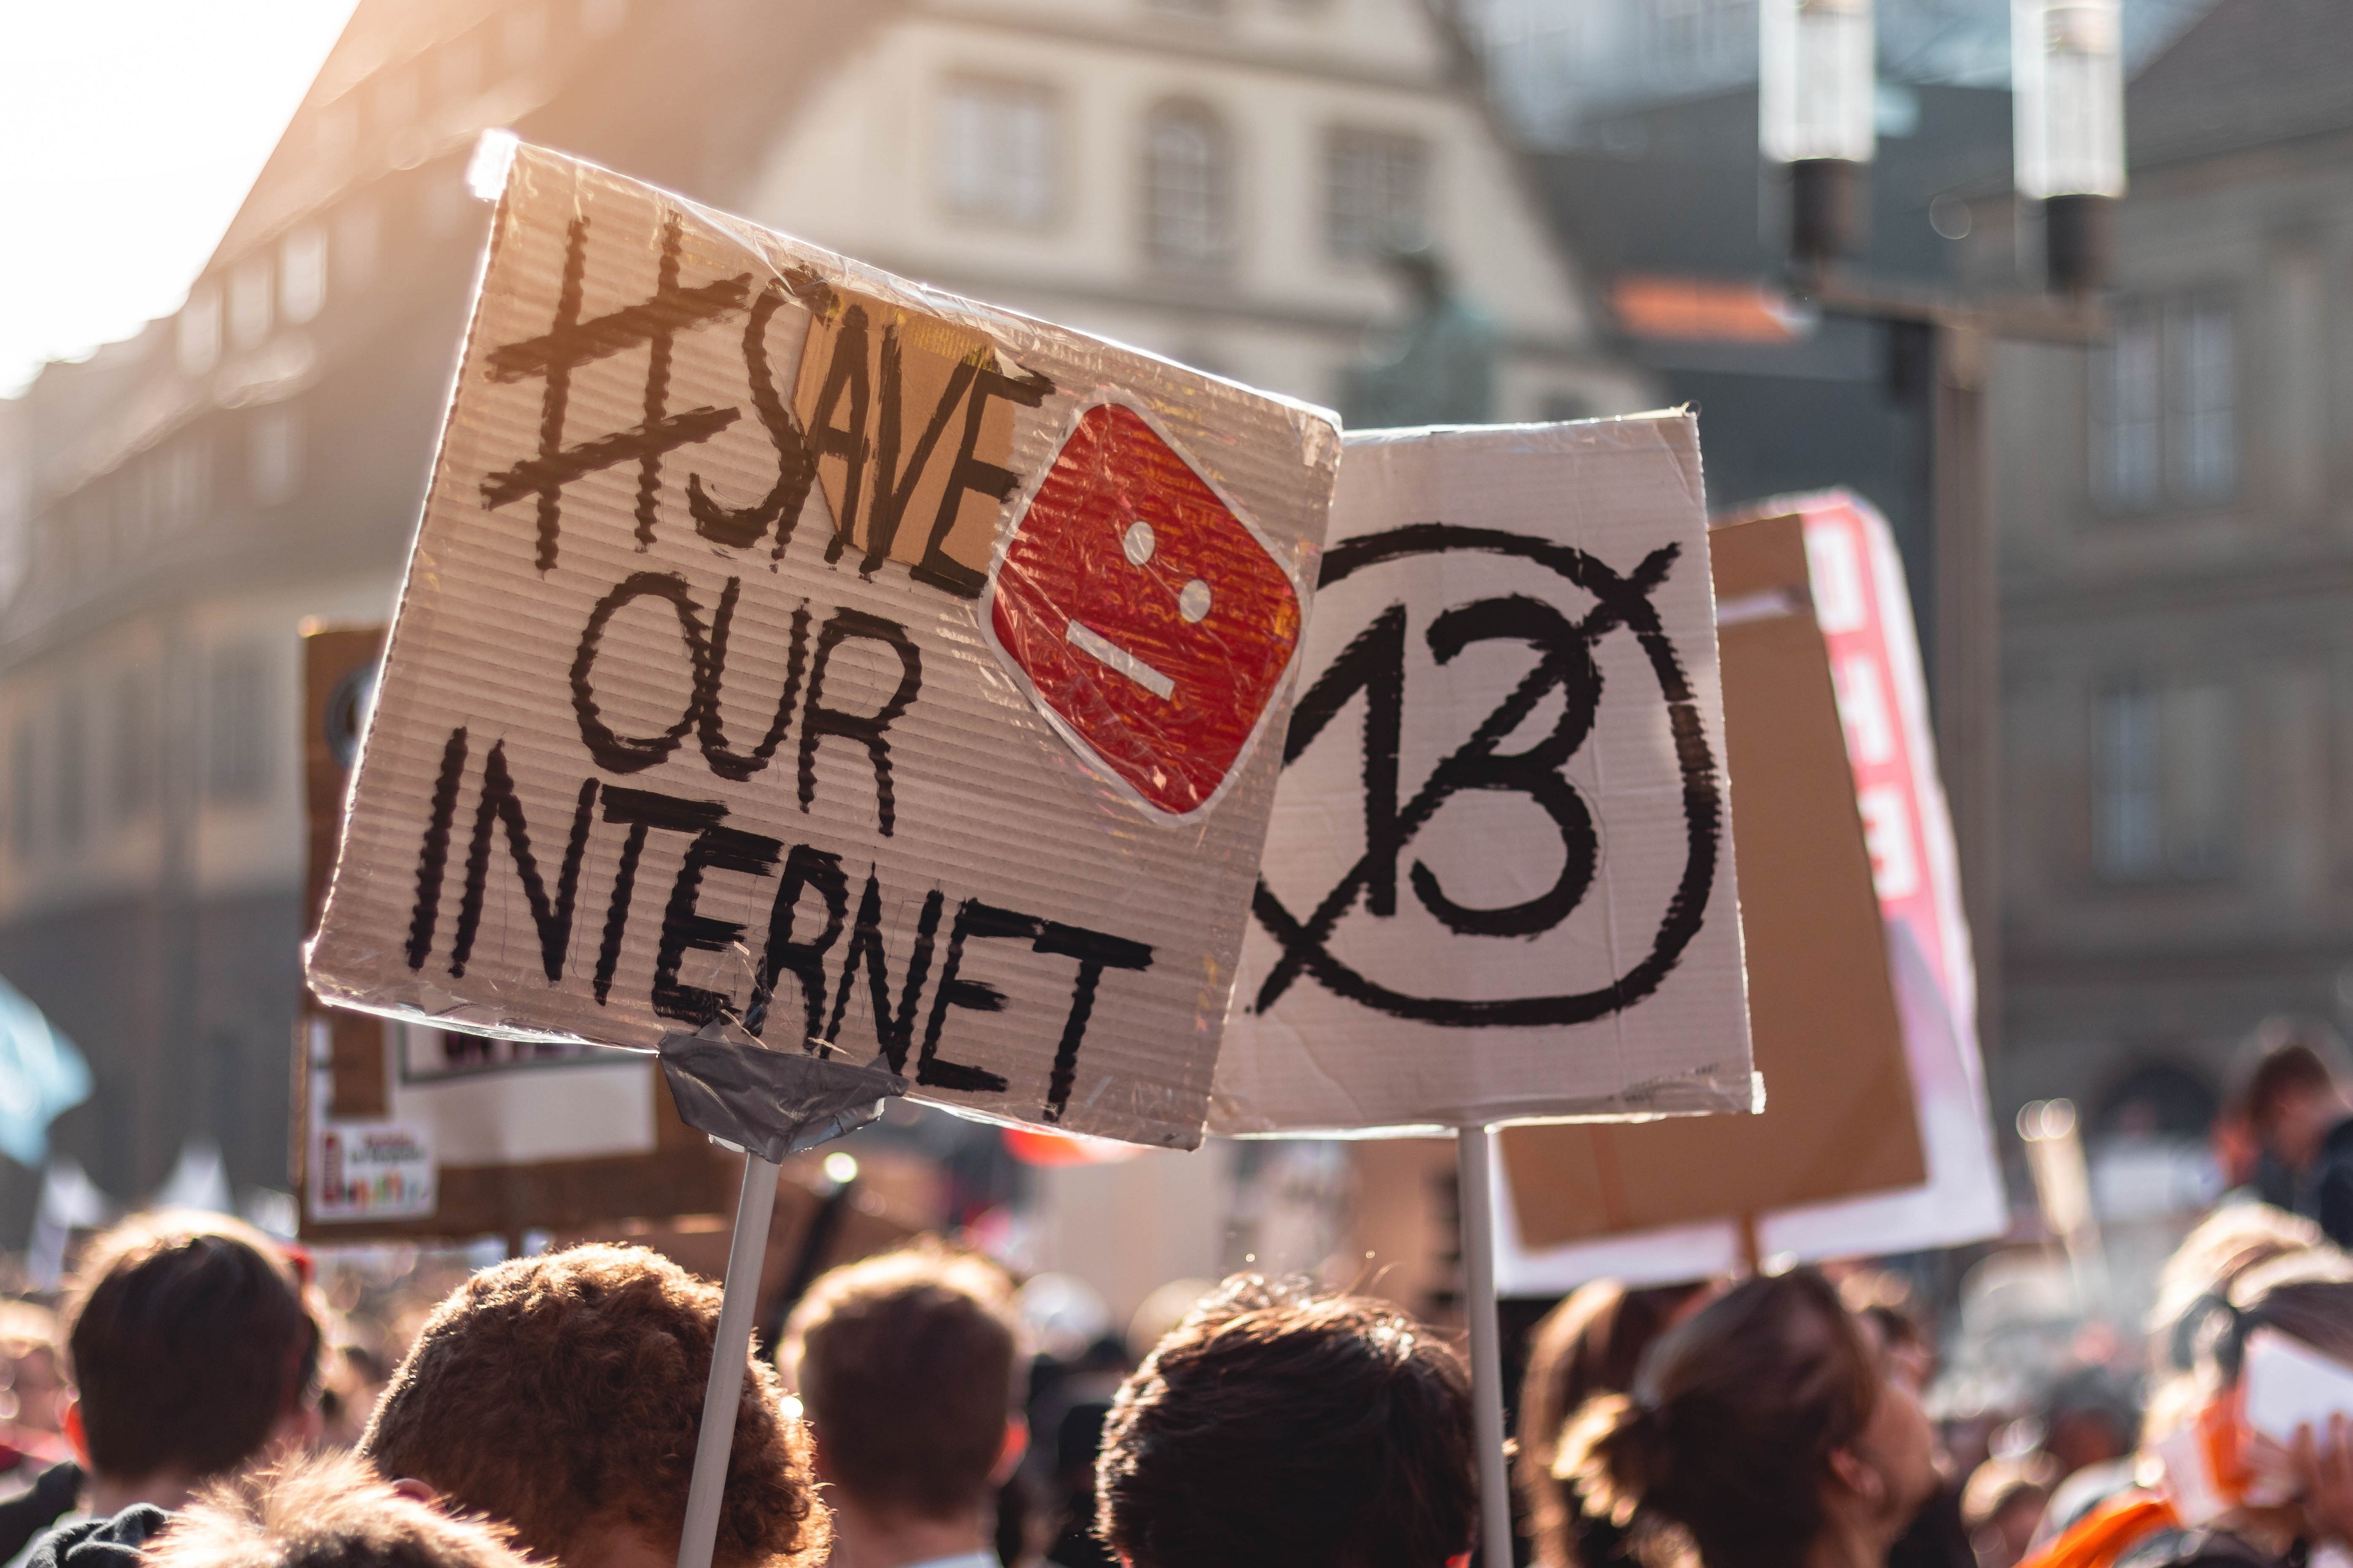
<point>784,641</point>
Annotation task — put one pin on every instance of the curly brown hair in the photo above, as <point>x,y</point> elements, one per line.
<point>326,1511</point>
<point>562,1395</point>
<point>1277,1427</point>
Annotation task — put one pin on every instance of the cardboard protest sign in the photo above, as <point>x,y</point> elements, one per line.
<point>1499,882</point>
<point>1838,1115</point>
<point>795,655</point>
<point>1855,587</point>
<point>402,1130</point>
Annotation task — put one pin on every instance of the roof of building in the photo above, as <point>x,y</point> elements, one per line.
<point>2246,73</point>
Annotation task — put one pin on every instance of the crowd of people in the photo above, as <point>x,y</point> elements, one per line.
<point>196,1401</point>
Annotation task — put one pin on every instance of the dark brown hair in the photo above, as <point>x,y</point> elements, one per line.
<point>905,1365</point>
<point>562,1395</point>
<point>2293,1057</point>
<point>190,1338</point>
<point>1588,1344</point>
<point>1728,1433</point>
<point>326,1511</point>
<point>1276,1427</point>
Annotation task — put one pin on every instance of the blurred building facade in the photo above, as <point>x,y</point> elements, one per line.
<point>2177,553</point>
<point>1211,179</point>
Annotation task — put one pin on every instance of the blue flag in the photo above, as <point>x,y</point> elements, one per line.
<point>41,1077</point>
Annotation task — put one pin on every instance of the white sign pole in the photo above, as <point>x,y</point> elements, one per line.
<point>1473,1154</point>
<point>746,1251</point>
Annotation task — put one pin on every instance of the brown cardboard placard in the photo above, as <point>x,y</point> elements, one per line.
<point>1838,1118</point>
<point>1499,882</point>
<point>351,1077</point>
<point>661,746</point>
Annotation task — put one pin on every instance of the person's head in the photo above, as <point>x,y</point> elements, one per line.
<point>561,1394</point>
<point>2003,1502</point>
<point>1882,1303</point>
<point>2292,1093</point>
<point>1588,1344</point>
<point>909,1368</point>
<point>1280,1428</point>
<point>326,1511</point>
<point>194,1347</point>
<point>2306,1297</point>
<point>1764,1424</point>
<point>32,1362</point>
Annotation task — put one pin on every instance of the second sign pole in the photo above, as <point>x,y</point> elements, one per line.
<point>1473,1154</point>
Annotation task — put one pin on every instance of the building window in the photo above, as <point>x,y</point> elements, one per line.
<point>523,35</point>
<point>339,132</point>
<point>2166,766</point>
<point>302,273</point>
<point>277,454</point>
<point>134,762</point>
<point>2201,385</point>
<point>236,723</point>
<point>459,71</point>
<point>24,812</point>
<point>355,237</point>
<point>1375,192</point>
<point>187,480</point>
<point>1189,193</point>
<point>248,301</point>
<point>1686,36</point>
<point>396,100</point>
<point>2164,405</point>
<point>200,330</point>
<point>73,774</point>
<point>998,152</point>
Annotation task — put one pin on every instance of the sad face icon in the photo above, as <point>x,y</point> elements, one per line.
<point>1151,621</point>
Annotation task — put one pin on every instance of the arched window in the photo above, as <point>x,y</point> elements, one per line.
<point>1189,189</point>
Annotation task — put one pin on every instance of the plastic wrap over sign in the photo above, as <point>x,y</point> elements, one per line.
<point>1499,882</point>
<point>797,656</point>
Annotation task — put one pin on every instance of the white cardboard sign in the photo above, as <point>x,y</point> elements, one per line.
<point>792,651</point>
<point>1865,612</point>
<point>1499,882</point>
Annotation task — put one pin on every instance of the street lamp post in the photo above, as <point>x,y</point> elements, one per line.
<point>2067,75</point>
<point>1816,113</point>
<point>1816,100</point>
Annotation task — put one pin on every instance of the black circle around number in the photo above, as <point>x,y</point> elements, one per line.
<point>1619,601</point>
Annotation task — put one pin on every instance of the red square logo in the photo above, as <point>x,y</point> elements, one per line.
<point>1153,624</point>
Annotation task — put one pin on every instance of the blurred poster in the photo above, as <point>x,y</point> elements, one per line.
<point>1864,612</point>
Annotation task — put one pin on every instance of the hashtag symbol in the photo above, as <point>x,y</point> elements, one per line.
<point>572,343</point>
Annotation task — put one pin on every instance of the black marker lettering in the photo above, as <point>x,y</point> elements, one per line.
<point>894,487</point>
<point>554,921</point>
<point>642,810</point>
<point>974,922</point>
<point>715,849</point>
<point>741,527</point>
<point>819,720</point>
<point>623,753</point>
<point>847,374</point>
<point>726,763</point>
<point>1095,953</point>
<point>894,1028</point>
<point>973,473</point>
<point>805,868</point>
<point>433,853</point>
<point>571,343</point>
